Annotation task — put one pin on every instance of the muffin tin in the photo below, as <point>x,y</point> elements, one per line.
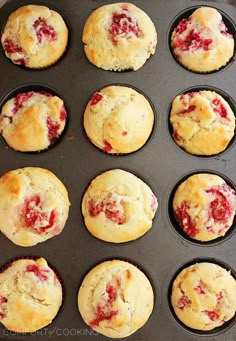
<point>161,163</point>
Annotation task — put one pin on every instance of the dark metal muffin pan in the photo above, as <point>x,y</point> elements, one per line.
<point>161,163</point>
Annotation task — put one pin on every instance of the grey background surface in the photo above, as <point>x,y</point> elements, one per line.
<point>162,251</point>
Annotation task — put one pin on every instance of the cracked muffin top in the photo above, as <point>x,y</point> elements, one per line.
<point>203,122</point>
<point>119,36</point>
<point>202,42</point>
<point>115,299</point>
<point>34,205</point>
<point>204,206</point>
<point>34,36</point>
<point>32,121</point>
<point>203,296</point>
<point>30,295</point>
<point>118,119</point>
<point>118,207</point>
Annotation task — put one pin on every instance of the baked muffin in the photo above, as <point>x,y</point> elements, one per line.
<point>110,302</point>
<point>34,205</point>
<point>201,42</point>
<point>118,119</point>
<point>34,36</point>
<point>204,206</point>
<point>118,207</point>
<point>203,296</point>
<point>203,122</point>
<point>32,121</point>
<point>30,295</point>
<point>119,36</point>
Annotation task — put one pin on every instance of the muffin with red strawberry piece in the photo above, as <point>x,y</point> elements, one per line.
<point>119,36</point>
<point>34,36</point>
<point>118,119</point>
<point>199,117</point>
<point>203,296</point>
<point>118,207</point>
<point>201,42</point>
<point>110,302</point>
<point>34,205</point>
<point>32,121</point>
<point>204,206</point>
<point>30,295</point>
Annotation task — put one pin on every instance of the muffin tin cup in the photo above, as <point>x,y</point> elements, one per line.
<point>216,331</point>
<point>184,15</point>
<point>226,97</point>
<point>176,226</point>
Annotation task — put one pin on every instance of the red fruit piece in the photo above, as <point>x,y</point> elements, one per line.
<point>2,299</point>
<point>183,217</point>
<point>38,272</point>
<point>115,216</point>
<point>118,282</point>
<point>124,133</point>
<point>53,128</point>
<point>219,108</point>
<point>212,315</point>
<point>193,42</point>
<point>112,294</point>
<point>44,30</point>
<point>189,95</point>
<point>63,113</point>
<point>109,208</point>
<point>220,297</point>
<point>199,288</point>
<point>187,111</point>
<point>96,97</point>
<point>122,25</point>
<point>20,61</point>
<point>182,25</point>
<point>107,147</point>
<point>220,209</point>
<point>93,209</point>
<point>11,47</point>
<point>183,302</point>
<point>224,30</point>
<point>20,99</point>
<point>177,137</point>
<point>104,311</point>
<point>34,217</point>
